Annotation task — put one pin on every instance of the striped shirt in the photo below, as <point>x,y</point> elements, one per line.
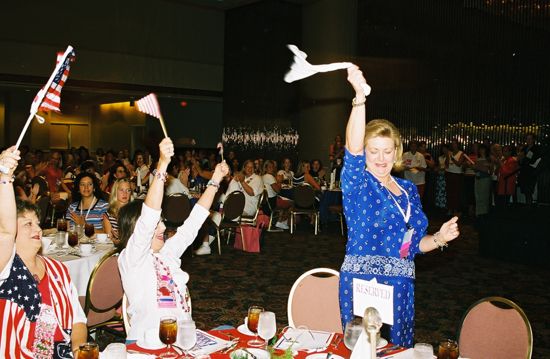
<point>18,319</point>
<point>95,216</point>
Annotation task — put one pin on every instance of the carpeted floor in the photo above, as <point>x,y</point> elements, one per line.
<point>222,287</point>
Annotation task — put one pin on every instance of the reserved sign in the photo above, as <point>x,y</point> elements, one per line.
<point>373,294</point>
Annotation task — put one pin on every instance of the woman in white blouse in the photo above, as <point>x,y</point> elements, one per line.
<point>149,263</point>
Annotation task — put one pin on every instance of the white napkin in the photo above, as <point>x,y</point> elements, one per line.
<point>301,69</point>
<point>361,350</point>
<point>304,339</point>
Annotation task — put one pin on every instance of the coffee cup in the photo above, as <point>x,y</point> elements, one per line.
<point>85,248</point>
<point>101,237</point>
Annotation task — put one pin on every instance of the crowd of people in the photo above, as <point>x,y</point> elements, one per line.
<point>469,182</point>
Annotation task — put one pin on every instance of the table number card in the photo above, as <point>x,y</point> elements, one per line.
<point>373,294</point>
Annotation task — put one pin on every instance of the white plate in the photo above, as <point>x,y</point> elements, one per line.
<point>323,356</point>
<point>382,343</point>
<point>259,353</point>
<point>94,251</point>
<point>151,346</point>
<point>243,329</point>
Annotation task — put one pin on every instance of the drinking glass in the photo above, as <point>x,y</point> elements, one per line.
<point>168,333</point>
<point>88,350</point>
<point>352,332</point>
<point>60,240</point>
<point>252,323</point>
<point>89,230</point>
<point>448,349</point>
<point>62,225</point>
<point>72,238</point>
<point>187,334</point>
<point>423,351</point>
<point>267,326</point>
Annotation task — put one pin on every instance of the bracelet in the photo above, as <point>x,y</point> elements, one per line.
<point>10,180</point>
<point>160,175</point>
<point>213,184</point>
<point>440,244</point>
<point>354,102</point>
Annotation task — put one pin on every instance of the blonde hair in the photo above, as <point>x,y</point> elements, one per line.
<point>384,128</point>
<point>113,202</point>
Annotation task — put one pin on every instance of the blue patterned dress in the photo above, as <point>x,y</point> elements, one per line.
<point>376,229</point>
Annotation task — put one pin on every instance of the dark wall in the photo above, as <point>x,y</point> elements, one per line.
<point>256,59</point>
<point>479,64</point>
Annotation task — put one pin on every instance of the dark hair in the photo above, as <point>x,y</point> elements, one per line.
<point>127,218</point>
<point>86,165</point>
<point>76,188</point>
<point>42,184</point>
<point>112,171</point>
<point>26,206</point>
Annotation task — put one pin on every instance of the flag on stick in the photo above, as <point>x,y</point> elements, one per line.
<point>150,105</point>
<point>300,68</point>
<point>220,147</point>
<point>48,98</point>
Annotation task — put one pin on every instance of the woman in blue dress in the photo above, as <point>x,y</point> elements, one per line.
<point>386,224</point>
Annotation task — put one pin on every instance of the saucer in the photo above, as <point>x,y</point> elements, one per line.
<point>381,343</point>
<point>243,329</point>
<point>94,251</point>
<point>151,346</point>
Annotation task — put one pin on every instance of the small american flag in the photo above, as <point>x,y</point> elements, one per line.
<point>52,98</point>
<point>149,105</point>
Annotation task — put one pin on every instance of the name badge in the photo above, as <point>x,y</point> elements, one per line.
<point>406,245</point>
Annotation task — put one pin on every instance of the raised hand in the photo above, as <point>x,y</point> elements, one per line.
<point>9,159</point>
<point>166,149</point>
<point>356,79</point>
<point>221,170</point>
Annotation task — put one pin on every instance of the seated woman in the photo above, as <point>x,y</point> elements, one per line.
<point>40,316</point>
<point>303,176</point>
<point>88,205</point>
<point>120,196</point>
<point>286,172</point>
<point>116,172</point>
<point>250,184</point>
<point>150,265</point>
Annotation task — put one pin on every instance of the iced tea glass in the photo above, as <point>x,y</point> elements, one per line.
<point>252,323</point>
<point>168,334</point>
<point>448,349</point>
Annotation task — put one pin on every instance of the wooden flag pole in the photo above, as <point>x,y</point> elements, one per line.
<point>163,126</point>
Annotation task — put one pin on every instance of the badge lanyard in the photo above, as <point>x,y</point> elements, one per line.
<point>407,238</point>
<point>87,213</point>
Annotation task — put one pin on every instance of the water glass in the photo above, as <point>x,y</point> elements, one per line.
<point>187,334</point>
<point>267,326</point>
<point>352,332</point>
<point>60,239</point>
<point>423,351</point>
<point>115,351</point>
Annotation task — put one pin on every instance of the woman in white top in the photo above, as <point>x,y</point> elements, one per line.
<point>453,178</point>
<point>287,173</point>
<point>150,264</point>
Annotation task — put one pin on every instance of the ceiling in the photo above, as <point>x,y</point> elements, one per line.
<point>229,4</point>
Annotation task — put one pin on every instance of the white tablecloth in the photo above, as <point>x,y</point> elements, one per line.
<point>80,268</point>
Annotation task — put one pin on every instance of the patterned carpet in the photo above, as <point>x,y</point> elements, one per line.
<point>222,287</point>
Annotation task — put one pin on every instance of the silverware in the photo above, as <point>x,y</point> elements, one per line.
<point>249,353</point>
<point>337,342</point>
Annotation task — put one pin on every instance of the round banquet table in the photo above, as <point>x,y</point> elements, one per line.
<point>81,267</point>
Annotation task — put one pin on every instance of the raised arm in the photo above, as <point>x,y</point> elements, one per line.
<point>8,212</point>
<point>217,177</point>
<point>355,130</point>
<point>156,190</point>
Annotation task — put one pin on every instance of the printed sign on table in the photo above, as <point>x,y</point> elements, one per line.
<point>373,294</point>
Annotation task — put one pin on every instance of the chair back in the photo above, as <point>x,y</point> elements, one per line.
<point>176,208</point>
<point>44,204</point>
<point>233,206</point>
<point>304,196</point>
<point>495,327</point>
<point>313,301</point>
<point>104,292</point>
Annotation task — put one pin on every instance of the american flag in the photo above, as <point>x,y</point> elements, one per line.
<point>149,105</point>
<point>51,100</point>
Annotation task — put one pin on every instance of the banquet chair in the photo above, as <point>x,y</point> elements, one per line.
<point>338,210</point>
<point>252,220</point>
<point>274,214</point>
<point>104,296</point>
<point>313,301</point>
<point>304,203</point>
<point>175,209</point>
<point>495,327</point>
<point>232,211</point>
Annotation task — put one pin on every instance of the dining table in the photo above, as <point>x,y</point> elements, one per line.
<point>80,265</point>
<point>336,346</point>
